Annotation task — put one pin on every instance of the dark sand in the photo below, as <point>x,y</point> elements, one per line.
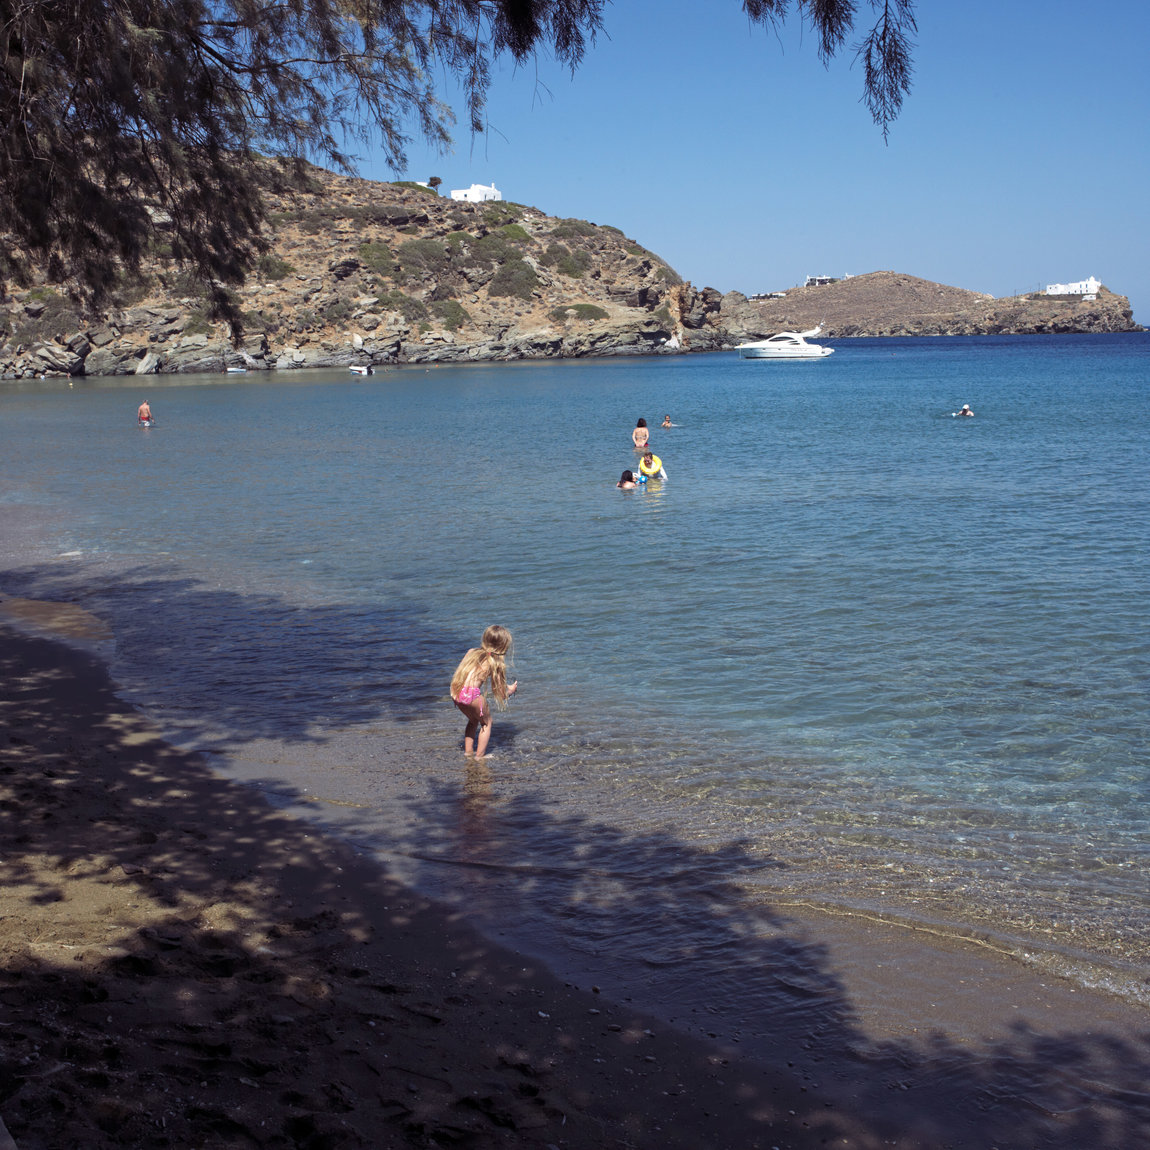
<point>183,966</point>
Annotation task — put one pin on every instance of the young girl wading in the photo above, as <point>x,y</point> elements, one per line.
<point>479,665</point>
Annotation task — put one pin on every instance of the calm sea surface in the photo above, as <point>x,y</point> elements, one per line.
<point>854,652</point>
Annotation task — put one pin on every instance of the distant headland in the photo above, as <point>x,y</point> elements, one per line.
<point>892,303</point>
<point>366,273</point>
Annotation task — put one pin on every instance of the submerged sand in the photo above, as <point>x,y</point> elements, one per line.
<point>183,966</point>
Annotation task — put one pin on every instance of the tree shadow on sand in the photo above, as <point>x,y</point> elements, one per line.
<point>680,916</point>
<point>184,966</point>
<point>235,667</point>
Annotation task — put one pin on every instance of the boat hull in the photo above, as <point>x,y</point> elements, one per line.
<point>810,351</point>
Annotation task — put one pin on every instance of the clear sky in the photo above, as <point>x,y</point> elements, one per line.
<point>1021,157</point>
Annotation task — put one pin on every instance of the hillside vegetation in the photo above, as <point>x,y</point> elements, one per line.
<point>360,272</point>
<point>366,272</point>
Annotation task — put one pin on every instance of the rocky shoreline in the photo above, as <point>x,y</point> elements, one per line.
<point>369,274</point>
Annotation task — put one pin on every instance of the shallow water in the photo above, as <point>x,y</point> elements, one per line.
<point>854,651</point>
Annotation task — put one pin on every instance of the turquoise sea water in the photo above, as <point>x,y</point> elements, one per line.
<point>862,652</point>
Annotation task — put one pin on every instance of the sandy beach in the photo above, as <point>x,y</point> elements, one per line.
<point>183,966</point>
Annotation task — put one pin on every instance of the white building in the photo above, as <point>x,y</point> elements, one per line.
<point>477,193</point>
<point>1087,288</point>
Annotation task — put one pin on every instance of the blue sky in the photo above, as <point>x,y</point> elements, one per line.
<point>1020,158</point>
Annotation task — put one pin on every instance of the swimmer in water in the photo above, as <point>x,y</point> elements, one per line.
<point>965,410</point>
<point>651,466</point>
<point>667,421</point>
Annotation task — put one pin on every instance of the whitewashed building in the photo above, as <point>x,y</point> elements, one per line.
<point>477,193</point>
<point>1087,288</point>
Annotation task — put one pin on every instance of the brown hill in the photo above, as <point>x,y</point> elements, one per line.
<point>366,273</point>
<point>892,303</point>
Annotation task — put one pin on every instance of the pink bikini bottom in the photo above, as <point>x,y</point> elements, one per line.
<point>469,695</point>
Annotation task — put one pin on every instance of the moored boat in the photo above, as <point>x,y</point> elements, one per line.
<point>786,345</point>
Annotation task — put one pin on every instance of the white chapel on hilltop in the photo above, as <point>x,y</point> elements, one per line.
<point>477,193</point>
<point>1087,288</point>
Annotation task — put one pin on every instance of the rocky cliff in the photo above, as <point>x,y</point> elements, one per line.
<point>365,273</point>
<point>368,273</point>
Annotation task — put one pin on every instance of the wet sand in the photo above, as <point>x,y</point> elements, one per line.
<point>184,966</point>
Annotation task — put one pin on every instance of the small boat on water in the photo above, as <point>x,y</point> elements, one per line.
<point>237,371</point>
<point>786,345</point>
<point>361,370</point>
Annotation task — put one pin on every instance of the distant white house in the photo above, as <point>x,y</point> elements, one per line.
<point>1087,288</point>
<point>822,281</point>
<point>477,193</point>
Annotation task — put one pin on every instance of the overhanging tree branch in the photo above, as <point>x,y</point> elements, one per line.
<point>117,113</point>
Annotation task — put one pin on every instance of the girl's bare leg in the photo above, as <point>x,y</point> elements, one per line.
<point>484,735</point>
<point>474,713</point>
<point>469,738</point>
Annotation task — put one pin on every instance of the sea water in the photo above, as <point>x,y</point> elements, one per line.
<point>855,652</point>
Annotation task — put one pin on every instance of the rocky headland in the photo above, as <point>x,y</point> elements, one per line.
<point>890,303</point>
<point>367,274</point>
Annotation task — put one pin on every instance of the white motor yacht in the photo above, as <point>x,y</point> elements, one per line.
<point>786,345</point>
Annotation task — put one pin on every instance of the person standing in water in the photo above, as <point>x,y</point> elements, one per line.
<point>641,434</point>
<point>144,413</point>
<point>483,664</point>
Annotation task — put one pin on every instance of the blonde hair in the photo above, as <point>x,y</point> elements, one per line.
<point>487,661</point>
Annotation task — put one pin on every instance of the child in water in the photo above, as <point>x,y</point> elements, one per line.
<point>651,467</point>
<point>477,666</point>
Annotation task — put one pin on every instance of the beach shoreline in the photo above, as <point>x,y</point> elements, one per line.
<point>185,966</point>
<point>843,738</point>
